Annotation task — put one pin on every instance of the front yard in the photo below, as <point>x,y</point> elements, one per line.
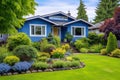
<point>97,68</point>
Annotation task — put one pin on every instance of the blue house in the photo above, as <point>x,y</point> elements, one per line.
<point>58,23</point>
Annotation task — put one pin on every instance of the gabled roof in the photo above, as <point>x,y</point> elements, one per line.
<point>77,21</point>
<point>34,17</point>
<point>60,12</point>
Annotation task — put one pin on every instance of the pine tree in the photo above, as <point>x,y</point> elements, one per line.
<point>82,12</point>
<point>105,9</point>
<point>112,43</point>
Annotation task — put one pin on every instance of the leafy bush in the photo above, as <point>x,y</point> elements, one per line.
<point>59,64</point>
<point>66,47</point>
<point>84,50</point>
<point>40,65</point>
<point>43,54</point>
<point>81,43</point>
<point>103,52</point>
<point>112,43</point>
<point>76,58</point>
<point>43,44</point>
<point>25,52</point>
<point>58,53</point>
<point>49,48</point>
<point>75,63</point>
<point>4,68</point>
<point>56,41</point>
<point>21,66</point>
<point>69,37</point>
<point>69,58</point>
<point>18,39</point>
<point>115,53</point>
<point>11,60</point>
<point>96,48</point>
<point>36,45</point>
<point>3,53</point>
<point>42,59</point>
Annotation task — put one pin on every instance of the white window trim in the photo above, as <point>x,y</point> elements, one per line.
<point>38,35</point>
<point>78,27</point>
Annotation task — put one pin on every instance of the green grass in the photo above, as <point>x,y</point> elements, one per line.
<point>97,68</point>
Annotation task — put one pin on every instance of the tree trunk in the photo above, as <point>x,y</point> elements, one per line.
<point>118,43</point>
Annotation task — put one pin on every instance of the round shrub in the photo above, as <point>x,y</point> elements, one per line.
<point>49,48</point>
<point>76,58</point>
<point>75,63</point>
<point>84,50</point>
<point>59,64</point>
<point>103,52</point>
<point>25,52</point>
<point>4,68</point>
<point>40,65</point>
<point>115,53</point>
<point>69,58</point>
<point>43,54</point>
<point>11,60</point>
<point>36,45</point>
<point>43,59</point>
<point>18,39</point>
<point>21,66</point>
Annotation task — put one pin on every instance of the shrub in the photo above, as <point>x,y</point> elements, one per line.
<point>96,48</point>
<point>112,43</point>
<point>58,53</point>
<point>84,50</point>
<point>36,45</point>
<point>59,64</point>
<point>76,58</point>
<point>4,68</point>
<point>25,52</point>
<point>68,64</point>
<point>69,58</point>
<point>75,63</point>
<point>11,60</point>
<point>43,44</point>
<point>66,47</point>
<point>18,39</point>
<point>21,66</point>
<point>56,41</point>
<point>69,37</point>
<point>43,54</point>
<point>3,53</point>
<point>49,48</point>
<point>103,52</point>
<point>42,59</point>
<point>115,53</point>
<point>40,65</point>
<point>81,44</point>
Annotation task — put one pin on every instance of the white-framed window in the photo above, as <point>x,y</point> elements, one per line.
<point>37,30</point>
<point>78,31</point>
<point>58,18</point>
<point>1,36</point>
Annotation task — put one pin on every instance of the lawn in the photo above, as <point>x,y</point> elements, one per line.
<point>97,68</point>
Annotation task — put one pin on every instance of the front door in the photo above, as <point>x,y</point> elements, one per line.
<point>56,31</point>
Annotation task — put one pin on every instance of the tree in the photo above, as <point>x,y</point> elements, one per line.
<point>82,12</point>
<point>112,25</point>
<point>112,43</point>
<point>12,12</point>
<point>105,9</point>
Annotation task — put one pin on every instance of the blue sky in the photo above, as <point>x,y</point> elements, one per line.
<point>50,6</point>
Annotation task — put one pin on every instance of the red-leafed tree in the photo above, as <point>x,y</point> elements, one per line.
<point>112,25</point>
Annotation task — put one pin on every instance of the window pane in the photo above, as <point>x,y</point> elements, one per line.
<point>43,30</point>
<point>32,30</point>
<point>78,31</point>
<point>38,30</point>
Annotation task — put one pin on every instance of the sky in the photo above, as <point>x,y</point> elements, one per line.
<point>50,6</point>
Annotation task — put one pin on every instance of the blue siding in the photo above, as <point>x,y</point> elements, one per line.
<point>81,24</point>
<point>63,32</point>
<point>26,28</point>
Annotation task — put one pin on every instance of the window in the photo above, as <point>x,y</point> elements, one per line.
<point>37,30</point>
<point>58,18</point>
<point>78,31</point>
